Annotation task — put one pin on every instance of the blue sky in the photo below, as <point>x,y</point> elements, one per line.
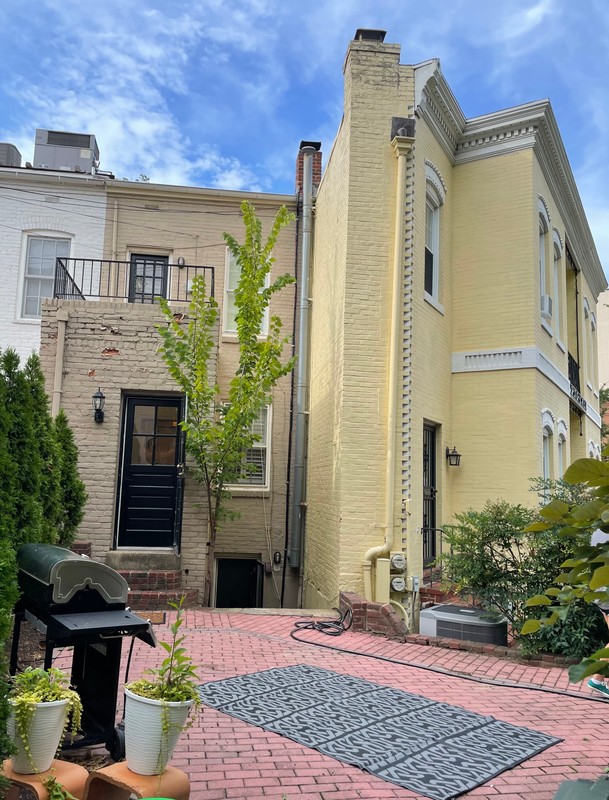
<point>220,92</point>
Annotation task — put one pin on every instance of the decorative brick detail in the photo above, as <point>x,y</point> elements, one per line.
<point>373,617</point>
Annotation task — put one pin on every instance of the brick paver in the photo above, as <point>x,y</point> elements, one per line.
<point>227,758</point>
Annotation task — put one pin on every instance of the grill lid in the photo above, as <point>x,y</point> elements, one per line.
<point>67,573</point>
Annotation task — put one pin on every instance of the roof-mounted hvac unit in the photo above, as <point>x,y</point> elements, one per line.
<point>65,151</point>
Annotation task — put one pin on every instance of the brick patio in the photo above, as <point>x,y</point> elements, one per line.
<point>227,758</point>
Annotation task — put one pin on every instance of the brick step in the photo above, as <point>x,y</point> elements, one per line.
<point>158,600</point>
<point>152,580</point>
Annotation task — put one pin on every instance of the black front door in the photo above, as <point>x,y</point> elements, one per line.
<point>149,513</point>
<point>148,278</point>
<point>239,583</point>
<point>429,495</point>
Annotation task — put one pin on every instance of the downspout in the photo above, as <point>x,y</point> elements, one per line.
<point>302,364</point>
<point>62,321</point>
<point>402,145</point>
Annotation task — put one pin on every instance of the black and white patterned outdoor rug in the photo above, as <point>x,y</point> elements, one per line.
<point>432,748</point>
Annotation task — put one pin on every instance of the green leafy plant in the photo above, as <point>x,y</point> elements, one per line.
<point>55,790</point>
<point>219,429</point>
<point>585,573</point>
<point>37,685</point>
<point>175,680</point>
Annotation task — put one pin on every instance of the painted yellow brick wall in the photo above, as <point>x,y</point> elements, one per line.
<point>352,267</point>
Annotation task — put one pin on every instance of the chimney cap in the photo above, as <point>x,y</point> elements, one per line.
<point>369,35</point>
<point>314,145</point>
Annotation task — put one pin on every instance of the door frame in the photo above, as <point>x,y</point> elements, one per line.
<point>430,469</point>
<point>125,398</point>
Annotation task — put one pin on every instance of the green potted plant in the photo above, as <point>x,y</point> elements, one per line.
<point>158,707</point>
<point>43,709</point>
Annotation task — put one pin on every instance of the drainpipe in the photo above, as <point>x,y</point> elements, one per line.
<point>302,364</point>
<point>402,146</point>
<point>62,321</point>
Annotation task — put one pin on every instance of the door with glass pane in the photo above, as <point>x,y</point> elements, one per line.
<point>429,495</point>
<point>148,278</point>
<point>39,279</point>
<point>150,490</point>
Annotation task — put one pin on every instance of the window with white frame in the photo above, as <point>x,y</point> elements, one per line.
<point>544,227</point>
<point>547,422</point>
<point>561,451</point>
<point>231,281</point>
<point>39,274</point>
<point>256,460</point>
<point>435,195</point>
<point>557,281</point>
<point>587,342</point>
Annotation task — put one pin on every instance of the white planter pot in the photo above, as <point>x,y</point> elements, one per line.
<point>148,747</point>
<point>43,737</point>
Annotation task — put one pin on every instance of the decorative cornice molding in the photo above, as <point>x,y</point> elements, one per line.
<point>517,358</point>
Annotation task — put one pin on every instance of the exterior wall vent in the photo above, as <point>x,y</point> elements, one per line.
<point>65,151</point>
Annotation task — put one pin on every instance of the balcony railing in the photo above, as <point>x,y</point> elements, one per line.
<point>141,280</point>
<point>577,401</point>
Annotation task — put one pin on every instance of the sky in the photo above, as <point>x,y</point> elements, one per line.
<point>220,93</point>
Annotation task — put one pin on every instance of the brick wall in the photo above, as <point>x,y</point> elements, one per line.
<point>373,617</point>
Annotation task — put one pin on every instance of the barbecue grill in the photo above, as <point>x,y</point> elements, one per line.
<point>80,603</point>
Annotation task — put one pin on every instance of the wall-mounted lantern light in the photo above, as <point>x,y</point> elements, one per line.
<point>99,401</point>
<point>181,262</point>
<point>453,457</point>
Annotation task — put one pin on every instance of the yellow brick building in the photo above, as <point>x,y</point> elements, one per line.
<point>454,290</point>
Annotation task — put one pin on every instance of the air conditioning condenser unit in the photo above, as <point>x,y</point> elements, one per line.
<point>465,623</point>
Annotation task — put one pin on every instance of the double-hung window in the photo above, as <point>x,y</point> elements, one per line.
<point>40,256</point>
<point>231,281</point>
<point>256,459</point>
<point>435,194</point>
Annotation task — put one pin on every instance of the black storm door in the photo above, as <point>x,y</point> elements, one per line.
<point>239,583</point>
<point>150,481</point>
<point>429,495</point>
<point>148,278</point>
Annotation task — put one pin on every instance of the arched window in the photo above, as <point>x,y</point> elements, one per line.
<point>547,427</point>
<point>434,199</point>
<point>557,283</point>
<point>561,453</point>
<point>544,227</point>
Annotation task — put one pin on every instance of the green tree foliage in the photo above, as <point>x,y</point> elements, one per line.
<point>72,489</point>
<point>48,450</point>
<point>585,573</point>
<point>41,498</point>
<point>218,429</point>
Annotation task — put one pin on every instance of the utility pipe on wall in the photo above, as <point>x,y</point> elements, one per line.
<point>302,364</point>
<point>402,146</point>
<point>62,321</point>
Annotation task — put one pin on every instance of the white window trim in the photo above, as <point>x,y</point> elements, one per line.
<point>435,195</point>
<point>544,229</point>
<point>34,233</point>
<point>232,332</point>
<point>250,488</point>
<point>557,282</point>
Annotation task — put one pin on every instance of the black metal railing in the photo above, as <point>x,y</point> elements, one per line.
<point>141,280</point>
<point>576,399</point>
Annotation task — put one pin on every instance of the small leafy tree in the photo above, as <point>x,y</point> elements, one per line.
<point>219,430</point>
<point>585,575</point>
